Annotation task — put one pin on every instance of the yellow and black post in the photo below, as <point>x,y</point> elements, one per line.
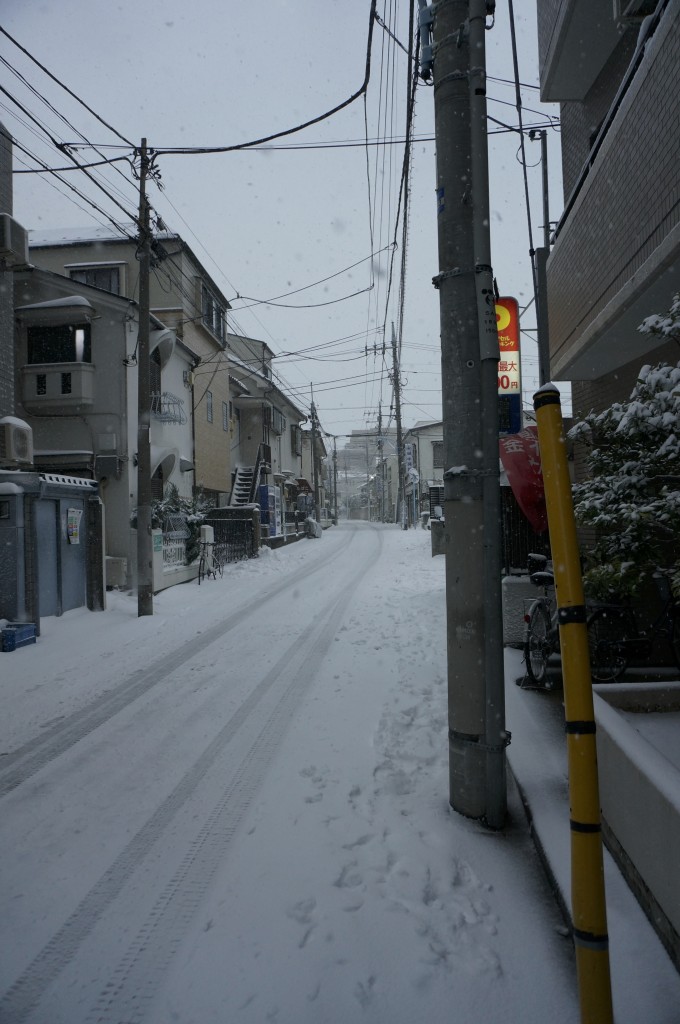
<point>588,906</point>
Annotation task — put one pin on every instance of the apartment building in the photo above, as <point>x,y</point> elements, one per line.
<point>614,68</point>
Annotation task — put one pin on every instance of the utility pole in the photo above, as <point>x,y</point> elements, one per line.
<point>335,481</point>
<point>494,669</point>
<point>381,463</point>
<point>144,538</point>
<point>315,483</point>
<point>396,382</point>
<point>470,418</point>
<point>541,256</point>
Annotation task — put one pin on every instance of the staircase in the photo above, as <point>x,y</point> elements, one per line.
<point>242,491</point>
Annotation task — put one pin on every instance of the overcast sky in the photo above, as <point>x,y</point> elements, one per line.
<point>274,221</point>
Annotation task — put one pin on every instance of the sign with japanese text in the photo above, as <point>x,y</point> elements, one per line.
<point>507,323</point>
<point>521,459</point>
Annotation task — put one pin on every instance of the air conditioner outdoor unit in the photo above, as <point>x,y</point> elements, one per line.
<point>16,443</point>
<point>13,242</point>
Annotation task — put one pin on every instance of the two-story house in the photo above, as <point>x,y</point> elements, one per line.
<point>267,439</point>
<point>424,461</point>
<point>185,298</point>
<point>76,359</point>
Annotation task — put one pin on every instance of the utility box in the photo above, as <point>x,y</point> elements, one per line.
<point>17,634</point>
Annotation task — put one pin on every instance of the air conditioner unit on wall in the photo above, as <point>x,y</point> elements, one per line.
<point>13,242</point>
<point>16,443</point>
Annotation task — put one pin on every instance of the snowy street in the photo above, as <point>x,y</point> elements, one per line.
<point>237,810</point>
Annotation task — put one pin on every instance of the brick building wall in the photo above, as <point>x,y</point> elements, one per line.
<point>630,201</point>
<point>581,121</point>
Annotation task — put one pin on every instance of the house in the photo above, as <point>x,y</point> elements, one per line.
<point>266,436</point>
<point>424,459</point>
<point>186,299</point>
<point>75,351</point>
<point>615,71</point>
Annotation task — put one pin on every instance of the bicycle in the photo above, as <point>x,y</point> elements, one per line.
<point>615,636</point>
<point>542,636</point>
<point>210,563</point>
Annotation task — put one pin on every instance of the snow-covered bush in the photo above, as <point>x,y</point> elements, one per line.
<point>632,498</point>
<point>193,511</point>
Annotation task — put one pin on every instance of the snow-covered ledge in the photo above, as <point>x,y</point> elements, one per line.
<point>638,729</point>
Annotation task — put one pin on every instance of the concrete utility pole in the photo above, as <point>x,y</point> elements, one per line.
<point>335,481</point>
<point>396,381</point>
<point>470,415</point>
<point>541,257</point>
<point>144,537</point>
<point>315,483</point>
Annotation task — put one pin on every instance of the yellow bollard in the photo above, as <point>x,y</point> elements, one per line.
<point>588,907</point>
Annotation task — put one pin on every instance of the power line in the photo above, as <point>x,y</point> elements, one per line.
<point>66,88</point>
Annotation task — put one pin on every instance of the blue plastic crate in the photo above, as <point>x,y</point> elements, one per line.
<point>17,634</point>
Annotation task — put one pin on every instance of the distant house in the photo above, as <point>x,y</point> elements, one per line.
<point>267,439</point>
<point>76,358</point>
<point>186,299</point>
<point>424,456</point>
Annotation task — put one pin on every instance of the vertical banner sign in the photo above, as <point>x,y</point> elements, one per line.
<point>507,319</point>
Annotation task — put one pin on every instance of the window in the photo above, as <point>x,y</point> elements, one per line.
<point>62,343</point>
<point>278,421</point>
<point>225,416</point>
<point>438,454</point>
<point>214,313</point>
<point>209,405</point>
<point>295,439</point>
<point>106,278</point>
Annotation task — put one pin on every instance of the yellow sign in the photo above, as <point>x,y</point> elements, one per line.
<point>507,323</point>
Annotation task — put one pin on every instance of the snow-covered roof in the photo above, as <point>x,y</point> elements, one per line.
<point>91,233</point>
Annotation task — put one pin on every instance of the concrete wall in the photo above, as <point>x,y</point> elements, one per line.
<point>640,799</point>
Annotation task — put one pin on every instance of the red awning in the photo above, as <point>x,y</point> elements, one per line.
<point>521,461</point>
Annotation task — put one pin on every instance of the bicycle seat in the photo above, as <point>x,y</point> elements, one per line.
<point>542,579</point>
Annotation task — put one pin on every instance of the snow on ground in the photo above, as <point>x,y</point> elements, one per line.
<point>237,810</point>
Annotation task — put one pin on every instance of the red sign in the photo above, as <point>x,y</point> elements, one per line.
<point>521,461</point>
<point>507,323</point>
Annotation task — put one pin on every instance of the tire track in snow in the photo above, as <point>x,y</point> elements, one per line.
<point>134,982</point>
<point>28,759</point>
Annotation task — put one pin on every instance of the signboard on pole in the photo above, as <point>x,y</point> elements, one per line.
<point>507,322</point>
<point>509,381</point>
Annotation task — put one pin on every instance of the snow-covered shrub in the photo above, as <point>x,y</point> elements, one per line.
<point>193,511</point>
<point>632,498</point>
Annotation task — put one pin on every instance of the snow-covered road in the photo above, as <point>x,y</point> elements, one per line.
<point>237,811</point>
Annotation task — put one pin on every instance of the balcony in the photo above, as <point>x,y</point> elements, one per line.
<point>57,389</point>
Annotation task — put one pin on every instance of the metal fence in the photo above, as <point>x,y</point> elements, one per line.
<point>234,534</point>
<point>175,534</point>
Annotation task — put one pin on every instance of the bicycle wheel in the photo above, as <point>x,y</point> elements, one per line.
<point>201,569</point>
<point>538,645</point>
<point>608,629</point>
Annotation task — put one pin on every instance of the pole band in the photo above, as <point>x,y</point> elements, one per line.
<point>571,613</point>
<point>546,398</point>
<point>581,728</point>
<point>589,940</point>
<point>583,826</point>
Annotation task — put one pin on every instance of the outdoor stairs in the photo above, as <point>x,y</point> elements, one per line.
<point>242,491</point>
